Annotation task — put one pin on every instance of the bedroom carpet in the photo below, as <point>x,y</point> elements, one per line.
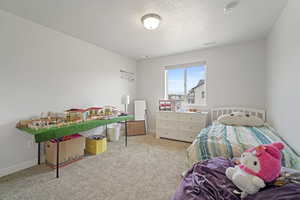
<point>148,169</point>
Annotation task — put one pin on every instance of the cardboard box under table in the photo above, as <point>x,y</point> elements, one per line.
<point>71,149</point>
<point>136,127</point>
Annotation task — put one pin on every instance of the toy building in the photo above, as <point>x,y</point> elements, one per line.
<point>76,115</point>
<point>96,112</point>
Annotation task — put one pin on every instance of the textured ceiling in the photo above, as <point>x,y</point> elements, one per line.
<point>186,24</point>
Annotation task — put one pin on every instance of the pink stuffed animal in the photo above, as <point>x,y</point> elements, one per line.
<point>258,165</point>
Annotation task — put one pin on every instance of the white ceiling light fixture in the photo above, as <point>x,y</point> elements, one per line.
<point>151,21</point>
<point>231,5</point>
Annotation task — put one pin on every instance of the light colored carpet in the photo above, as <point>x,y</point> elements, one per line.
<point>148,169</point>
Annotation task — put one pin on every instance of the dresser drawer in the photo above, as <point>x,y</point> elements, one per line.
<point>191,126</point>
<point>167,124</point>
<point>167,133</point>
<point>166,116</point>
<point>191,117</point>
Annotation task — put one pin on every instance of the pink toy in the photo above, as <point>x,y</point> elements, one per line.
<point>269,157</point>
<point>258,165</point>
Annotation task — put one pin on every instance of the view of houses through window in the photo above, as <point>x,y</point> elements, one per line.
<point>186,84</point>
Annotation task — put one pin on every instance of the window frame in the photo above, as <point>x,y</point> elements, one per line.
<point>187,65</point>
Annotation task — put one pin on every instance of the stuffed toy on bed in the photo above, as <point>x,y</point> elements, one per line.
<point>258,165</point>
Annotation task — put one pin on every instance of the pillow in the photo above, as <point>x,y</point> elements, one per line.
<point>240,119</point>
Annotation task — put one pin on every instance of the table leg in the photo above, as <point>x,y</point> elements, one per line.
<point>145,128</point>
<point>106,130</point>
<point>126,133</point>
<point>39,153</point>
<point>57,159</point>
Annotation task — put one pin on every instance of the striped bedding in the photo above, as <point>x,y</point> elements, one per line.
<point>231,141</point>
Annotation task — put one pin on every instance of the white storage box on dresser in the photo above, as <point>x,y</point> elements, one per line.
<point>183,126</point>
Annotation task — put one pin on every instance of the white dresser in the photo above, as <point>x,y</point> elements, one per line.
<point>183,126</point>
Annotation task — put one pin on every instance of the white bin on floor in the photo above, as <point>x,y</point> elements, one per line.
<point>113,132</point>
<point>96,131</point>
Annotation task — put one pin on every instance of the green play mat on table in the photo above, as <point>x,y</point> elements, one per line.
<point>46,134</point>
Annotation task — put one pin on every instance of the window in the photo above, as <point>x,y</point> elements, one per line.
<point>186,83</point>
<point>203,95</point>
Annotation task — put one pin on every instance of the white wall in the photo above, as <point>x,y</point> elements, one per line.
<point>235,76</point>
<point>283,72</point>
<point>44,70</point>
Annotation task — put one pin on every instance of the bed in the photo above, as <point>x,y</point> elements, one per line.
<point>219,140</point>
<point>207,181</point>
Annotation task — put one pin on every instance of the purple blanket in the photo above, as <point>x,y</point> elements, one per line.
<point>207,181</point>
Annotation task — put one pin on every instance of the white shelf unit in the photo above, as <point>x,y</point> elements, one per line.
<point>182,126</point>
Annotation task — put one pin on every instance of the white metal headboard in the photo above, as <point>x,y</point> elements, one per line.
<point>217,112</point>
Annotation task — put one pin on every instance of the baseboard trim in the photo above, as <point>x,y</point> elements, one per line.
<point>17,167</point>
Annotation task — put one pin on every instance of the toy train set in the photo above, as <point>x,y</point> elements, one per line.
<point>71,116</point>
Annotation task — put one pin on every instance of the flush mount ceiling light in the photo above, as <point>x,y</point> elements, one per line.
<point>231,5</point>
<point>151,21</point>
